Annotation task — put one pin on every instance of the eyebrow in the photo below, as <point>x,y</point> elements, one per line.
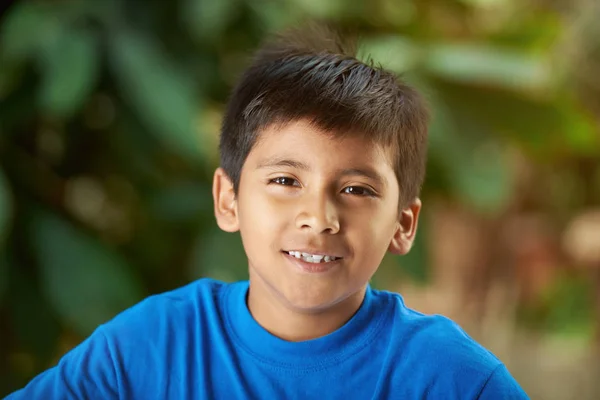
<point>367,173</point>
<point>287,162</point>
<point>283,162</point>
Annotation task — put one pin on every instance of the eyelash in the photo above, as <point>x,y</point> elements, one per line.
<point>364,191</point>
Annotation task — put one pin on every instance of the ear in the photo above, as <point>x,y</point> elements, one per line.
<point>225,202</point>
<point>406,229</point>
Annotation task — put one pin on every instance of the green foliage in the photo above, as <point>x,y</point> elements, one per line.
<point>4,266</point>
<point>28,28</point>
<point>394,52</point>
<point>32,317</point>
<point>208,20</point>
<point>219,255</point>
<point>5,208</point>
<point>70,67</point>
<point>471,63</point>
<point>86,282</point>
<point>477,175</point>
<point>5,217</point>
<point>183,202</point>
<point>566,308</point>
<point>162,96</point>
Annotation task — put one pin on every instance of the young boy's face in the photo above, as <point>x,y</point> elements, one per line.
<point>303,191</point>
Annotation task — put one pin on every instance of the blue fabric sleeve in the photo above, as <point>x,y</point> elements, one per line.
<point>86,372</point>
<point>502,386</point>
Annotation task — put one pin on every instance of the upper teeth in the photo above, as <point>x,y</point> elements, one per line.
<point>312,258</point>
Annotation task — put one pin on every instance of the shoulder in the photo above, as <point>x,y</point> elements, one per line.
<point>200,294</point>
<point>161,332</point>
<point>158,319</point>
<point>184,305</point>
<point>114,361</point>
<point>438,336</point>
<point>441,355</point>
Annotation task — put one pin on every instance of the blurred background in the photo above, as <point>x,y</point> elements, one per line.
<point>109,119</point>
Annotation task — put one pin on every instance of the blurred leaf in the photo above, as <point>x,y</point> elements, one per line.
<point>70,68</point>
<point>219,255</point>
<point>538,33</point>
<point>482,178</point>
<point>162,96</point>
<point>5,207</point>
<point>5,218</point>
<point>564,309</point>
<point>136,151</point>
<point>541,127</point>
<point>183,202</point>
<point>579,130</point>
<point>34,321</point>
<point>323,9</point>
<point>3,274</point>
<point>395,53</point>
<point>10,77</point>
<point>28,26</point>
<point>484,2</point>
<point>476,170</point>
<point>472,63</point>
<point>207,19</point>
<point>565,191</point>
<point>16,109</point>
<point>86,282</point>
<point>395,13</point>
<point>273,15</point>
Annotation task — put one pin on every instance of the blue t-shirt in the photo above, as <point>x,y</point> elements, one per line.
<point>201,342</point>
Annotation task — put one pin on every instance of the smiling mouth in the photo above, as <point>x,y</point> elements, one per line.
<point>312,258</point>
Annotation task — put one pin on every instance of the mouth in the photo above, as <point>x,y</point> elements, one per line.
<point>312,258</point>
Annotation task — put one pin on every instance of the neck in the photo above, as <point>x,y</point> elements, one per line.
<point>294,325</point>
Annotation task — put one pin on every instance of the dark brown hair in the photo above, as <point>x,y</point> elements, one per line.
<point>314,75</point>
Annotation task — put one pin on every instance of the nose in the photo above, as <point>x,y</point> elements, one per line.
<point>319,214</point>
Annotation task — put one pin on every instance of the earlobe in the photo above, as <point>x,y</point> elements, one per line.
<point>406,229</point>
<point>225,202</point>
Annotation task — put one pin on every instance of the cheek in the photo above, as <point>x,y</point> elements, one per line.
<point>260,212</point>
<point>374,229</point>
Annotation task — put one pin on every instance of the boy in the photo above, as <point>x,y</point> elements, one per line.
<point>322,158</point>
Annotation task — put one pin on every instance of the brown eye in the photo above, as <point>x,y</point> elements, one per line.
<point>285,181</point>
<point>358,191</point>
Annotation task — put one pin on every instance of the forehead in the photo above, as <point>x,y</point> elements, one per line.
<point>301,139</point>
